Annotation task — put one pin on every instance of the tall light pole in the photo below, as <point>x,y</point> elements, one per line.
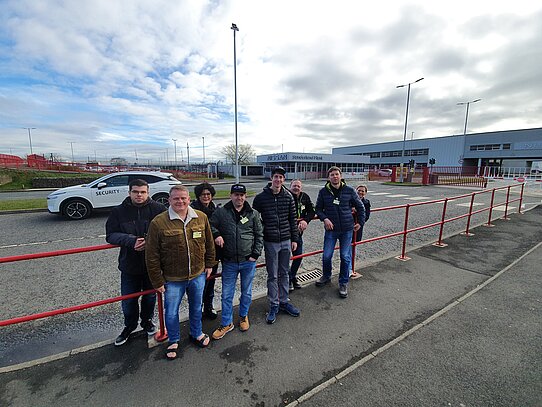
<point>235,29</point>
<point>467,112</point>
<point>30,137</point>
<point>203,141</point>
<point>188,155</point>
<point>71,144</point>
<point>175,147</point>
<point>406,121</point>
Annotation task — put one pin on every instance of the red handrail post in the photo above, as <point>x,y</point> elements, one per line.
<point>439,243</point>
<point>467,233</point>
<point>506,205</point>
<point>161,335</point>
<point>354,236</point>
<point>405,231</point>
<point>488,224</point>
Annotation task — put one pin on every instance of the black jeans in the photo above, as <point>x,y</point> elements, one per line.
<point>135,283</point>
<point>209,290</point>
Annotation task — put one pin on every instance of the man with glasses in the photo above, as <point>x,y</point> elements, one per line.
<point>127,227</point>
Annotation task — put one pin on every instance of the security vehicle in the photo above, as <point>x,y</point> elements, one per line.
<point>79,201</point>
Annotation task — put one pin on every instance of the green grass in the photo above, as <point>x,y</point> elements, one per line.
<point>22,179</point>
<point>18,204</point>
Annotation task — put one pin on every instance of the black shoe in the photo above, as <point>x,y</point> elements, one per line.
<point>296,285</point>
<point>323,281</point>
<point>123,337</point>
<point>149,327</point>
<point>291,287</point>
<point>210,313</point>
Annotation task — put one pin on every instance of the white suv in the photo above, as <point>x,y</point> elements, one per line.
<point>77,202</point>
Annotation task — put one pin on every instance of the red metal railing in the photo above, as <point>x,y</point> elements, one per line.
<point>162,335</point>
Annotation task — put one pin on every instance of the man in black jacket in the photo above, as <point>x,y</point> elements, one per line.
<point>277,208</point>
<point>127,227</point>
<point>305,213</point>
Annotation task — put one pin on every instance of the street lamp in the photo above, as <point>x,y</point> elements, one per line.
<point>175,152</point>
<point>188,155</point>
<point>30,137</point>
<point>467,113</point>
<point>71,144</point>
<point>406,121</point>
<point>203,142</point>
<point>235,29</point>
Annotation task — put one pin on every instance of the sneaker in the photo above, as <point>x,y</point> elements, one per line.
<point>221,331</point>
<point>296,285</point>
<point>291,287</point>
<point>123,337</point>
<point>343,290</point>
<point>243,324</point>
<point>149,327</point>
<point>323,281</point>
<point>289,309</point>
<point>272,315</point>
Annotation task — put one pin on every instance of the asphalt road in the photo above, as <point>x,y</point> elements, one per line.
<point>46,284</point>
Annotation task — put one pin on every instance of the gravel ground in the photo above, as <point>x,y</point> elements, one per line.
<point>46,284</point>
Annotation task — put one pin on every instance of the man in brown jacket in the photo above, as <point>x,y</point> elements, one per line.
<point>180,255</point>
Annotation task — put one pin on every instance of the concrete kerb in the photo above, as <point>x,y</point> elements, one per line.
<point>406,334</point>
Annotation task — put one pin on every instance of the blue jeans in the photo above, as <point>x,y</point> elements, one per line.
<point>345,241</point>
<point>294,267</point>
<point>172,300</point>
<point>135,283</point>
<point>230,271</point>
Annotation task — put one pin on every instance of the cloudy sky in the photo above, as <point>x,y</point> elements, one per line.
<point>124,77</point>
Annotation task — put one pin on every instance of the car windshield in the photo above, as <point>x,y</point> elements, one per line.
<point>172,178</point>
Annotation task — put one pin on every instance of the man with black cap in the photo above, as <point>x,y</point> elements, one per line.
<point>277,208</point>
<point>238,231</point>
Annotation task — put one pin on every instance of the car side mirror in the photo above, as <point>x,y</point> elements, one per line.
<point>102,184</point>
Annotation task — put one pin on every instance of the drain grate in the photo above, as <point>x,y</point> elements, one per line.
<point>310,276</point>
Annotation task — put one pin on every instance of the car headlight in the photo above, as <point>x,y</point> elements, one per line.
<point>55,195</point>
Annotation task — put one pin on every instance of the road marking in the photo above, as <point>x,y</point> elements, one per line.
<point>418,198</point>
<point>9,246</point>
<point>380,193</point>
<point>503,208</point>
<point>396,196</point>
<point>468,204</point>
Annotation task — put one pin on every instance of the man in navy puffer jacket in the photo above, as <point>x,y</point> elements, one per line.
<point>334,207</point>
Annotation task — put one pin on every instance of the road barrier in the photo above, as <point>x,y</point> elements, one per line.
<point>161,335</point>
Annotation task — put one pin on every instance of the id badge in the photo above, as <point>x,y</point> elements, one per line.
<point>196,235</point>
<point>336,201</point>
<point>244,220</point>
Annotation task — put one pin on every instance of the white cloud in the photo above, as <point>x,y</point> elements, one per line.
<point>311,74</point>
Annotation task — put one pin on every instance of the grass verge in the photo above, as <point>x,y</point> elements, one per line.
<point>19,204</point>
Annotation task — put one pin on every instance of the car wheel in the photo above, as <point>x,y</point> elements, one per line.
<point>76,209</point>
<point>162,198</point>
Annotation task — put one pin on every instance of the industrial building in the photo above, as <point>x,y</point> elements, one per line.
<point>510,148</point>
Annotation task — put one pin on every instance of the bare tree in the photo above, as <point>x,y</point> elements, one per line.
<point>246,153</point>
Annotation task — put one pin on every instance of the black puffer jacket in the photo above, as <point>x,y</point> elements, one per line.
<point>125,224</point>
<point>278,215</point>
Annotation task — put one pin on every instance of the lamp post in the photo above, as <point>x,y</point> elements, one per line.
<point>467,112</point>
<point>203,143</point>
<point>235,29</point>
<point>175,149</point>
<point>406,121</point>
<point>71,144</point>
<point>188,155</point>
<point>30,137</point>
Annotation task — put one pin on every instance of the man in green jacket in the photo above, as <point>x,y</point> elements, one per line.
<point>180,255</point>
<point>238,231</point>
